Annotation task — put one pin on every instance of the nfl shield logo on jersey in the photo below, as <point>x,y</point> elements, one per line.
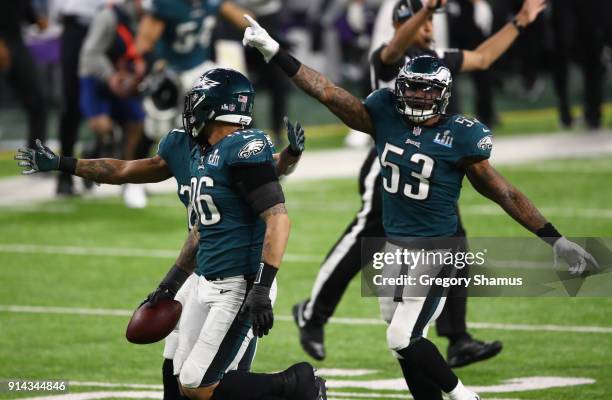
<point>416,131</point>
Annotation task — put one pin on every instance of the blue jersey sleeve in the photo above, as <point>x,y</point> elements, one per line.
<point>250,146</point>
<point>380,105</point>
<point>172,148</point>
<point>473,138</point>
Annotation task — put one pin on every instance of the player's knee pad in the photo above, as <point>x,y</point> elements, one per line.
<point>398,337</point>
<point>191,375</point>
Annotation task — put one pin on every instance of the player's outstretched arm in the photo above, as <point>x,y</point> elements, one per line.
<point>343,104</point>
<point>103,170</point>
<point>491,49</point>
<point>184,266</point>
<point>118,172</point>
<point>287,160</point>
<point>490,183</point>
<point>406,34</point>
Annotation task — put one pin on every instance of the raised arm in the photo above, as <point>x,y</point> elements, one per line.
<point>343,104</point>
<point>491,49</point>
<point>287,160</point>
<point>102,170</point>
<point>488,182</point>
<point>406,34</point>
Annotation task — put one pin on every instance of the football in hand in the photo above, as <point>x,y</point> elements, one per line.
<point>150,324</point>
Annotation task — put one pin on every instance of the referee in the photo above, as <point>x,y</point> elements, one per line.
<point>413,37</point>
<point>75,16</point>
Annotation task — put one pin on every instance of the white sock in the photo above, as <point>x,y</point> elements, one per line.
<point>460,392</point>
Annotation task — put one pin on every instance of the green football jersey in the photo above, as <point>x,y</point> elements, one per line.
<point>231,235</point>
<point>177,149</point>
<point>420,167</point>
<point>186,39</point>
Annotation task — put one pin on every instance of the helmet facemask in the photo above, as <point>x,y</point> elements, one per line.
<point>421,99</point>
<point>191,124</point>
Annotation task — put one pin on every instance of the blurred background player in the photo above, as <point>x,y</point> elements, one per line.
<point>176,39</point>
<point>75,17</point>
<point>110,69</point>
<point>413,37</point>
<point>18,64</point>
<point>179,34</point>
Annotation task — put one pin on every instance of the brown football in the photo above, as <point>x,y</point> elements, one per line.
<point>151,324</point>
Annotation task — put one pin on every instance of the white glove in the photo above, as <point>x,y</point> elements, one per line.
<point>258,37</point>
<point>574,255</point>
<point>483,16</point>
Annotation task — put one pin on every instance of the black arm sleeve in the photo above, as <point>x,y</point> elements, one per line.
<point>453,58</point>
<point>383,71</point>
<point>258,184</point>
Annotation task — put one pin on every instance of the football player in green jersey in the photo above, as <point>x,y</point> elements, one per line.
<point>424,156</point>
<point>243,228</point>
<point>178,34</point>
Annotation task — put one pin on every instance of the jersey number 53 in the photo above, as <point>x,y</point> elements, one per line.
<point>421,192</point>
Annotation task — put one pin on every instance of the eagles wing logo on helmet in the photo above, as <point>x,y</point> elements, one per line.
<point>253,147</point>
<point>205,83</point>
<point>486,143</point>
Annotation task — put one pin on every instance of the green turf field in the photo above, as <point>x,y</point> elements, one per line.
<point>39,268</point>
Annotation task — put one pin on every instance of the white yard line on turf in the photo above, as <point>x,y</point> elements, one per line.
<point>21,309</point>
<point>118,252</point>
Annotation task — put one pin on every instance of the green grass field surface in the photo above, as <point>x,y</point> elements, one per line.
<point>93,348</point>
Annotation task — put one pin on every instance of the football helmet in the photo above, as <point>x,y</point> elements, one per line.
<point>162,90</point>
<point>220,94</point>
<point>423,88</point>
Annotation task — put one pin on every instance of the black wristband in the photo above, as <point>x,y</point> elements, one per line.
<point>265,275</point>
<point>67,164</point>
<point>549,234</point>
<point>293,152</point>
<point>287,62</point>
<point>174,279</point>
<point>518,27</point>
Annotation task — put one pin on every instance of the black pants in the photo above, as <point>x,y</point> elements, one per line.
<point>271,77</point>
<point>464,34</point>
<point>71,41</point>
<point>579,29</point>
<point>344,260</point>
<point>26,85</point>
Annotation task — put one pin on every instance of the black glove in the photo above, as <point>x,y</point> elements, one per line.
<point>258,308</point>
<point>168,287</point>
<point>162,292</point>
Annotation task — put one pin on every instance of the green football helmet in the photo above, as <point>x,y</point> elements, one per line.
<point>423,88</point>
<point>220,94</point>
